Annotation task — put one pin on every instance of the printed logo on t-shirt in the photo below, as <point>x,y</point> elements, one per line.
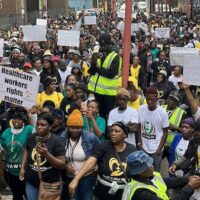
<point>115,167</point>
<point>42,160</point>
<point>148,130</point>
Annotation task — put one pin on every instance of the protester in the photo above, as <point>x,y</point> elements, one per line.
<point>175,115</point>
<point>49,93</point>
<point>69,98</point>
<point>110,157</point>
<point>79,146</point>
<point>137,72</point>
<point>49,70</point>
<point>181,140</point>
<point>189,163</point>
<point>13,143</point>
<point>48,151</point>
<point>153,127</point>
<point>149,185</point>
<point>136,100</point>
<point>104,72</point>
<point>93,122</point>
<point>125,114</point>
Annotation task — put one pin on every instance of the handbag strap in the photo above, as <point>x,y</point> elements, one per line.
<point>38,165</point>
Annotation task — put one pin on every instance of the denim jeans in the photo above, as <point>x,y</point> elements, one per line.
<point>85,188</point>
<point>31,192</point>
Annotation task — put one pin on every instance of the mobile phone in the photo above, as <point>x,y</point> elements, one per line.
<point>39,140</point>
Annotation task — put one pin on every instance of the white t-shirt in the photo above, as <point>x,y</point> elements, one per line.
<point>126,116</point>
<point>175,80</point>
<point>196,194</point>
<point>181,148</point>
<point>63,75</point>
<point>152,124</point>
<point>76,155</point>
<point>197,114</point>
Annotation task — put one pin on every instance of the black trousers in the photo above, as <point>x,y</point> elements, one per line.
<point>17,187</point>
<point>107,103</point>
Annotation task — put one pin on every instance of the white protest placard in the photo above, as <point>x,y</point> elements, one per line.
<point>135,27</point>
<point>162,32</point>
<point>68,38</point>
<point>41,22</point>
<point>77,26</point>
<point>90,20</point>
<point>121,14</point>
<point>191,69</point>
<point>1,46</point>
<point>177,54</point>
<point>18,87</point>
<point>34,33</point>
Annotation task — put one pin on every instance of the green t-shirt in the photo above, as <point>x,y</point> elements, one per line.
<point>154,53</point>
<point>101,123</point>
<point>14,146</point>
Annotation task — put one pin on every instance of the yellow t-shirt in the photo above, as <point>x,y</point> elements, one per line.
<point>135,75</point>
<point>137,103</point>
<point>85,69</point>
<point>56,97</point>
<point>130,78</point>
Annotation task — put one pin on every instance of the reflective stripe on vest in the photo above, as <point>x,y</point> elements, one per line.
<point>175,120</point>
<point>159,189</point>
<point>103,85</point>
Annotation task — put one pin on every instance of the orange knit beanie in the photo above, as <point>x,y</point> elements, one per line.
<point>75,119</point>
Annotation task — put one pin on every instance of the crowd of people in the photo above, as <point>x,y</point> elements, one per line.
<point>88,134</point>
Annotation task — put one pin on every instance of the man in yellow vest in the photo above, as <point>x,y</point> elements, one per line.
<point>104,70</point>
<point>176,115</point>
<point>149,185</point>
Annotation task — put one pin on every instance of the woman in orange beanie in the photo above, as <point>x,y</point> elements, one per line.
<point>79,146</point>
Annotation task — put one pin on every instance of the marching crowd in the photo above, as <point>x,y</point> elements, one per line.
<point>87,137</point>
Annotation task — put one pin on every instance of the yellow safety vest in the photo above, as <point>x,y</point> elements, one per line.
<point>175,120</point>
<point>102,85</point>
<point>160,189</point>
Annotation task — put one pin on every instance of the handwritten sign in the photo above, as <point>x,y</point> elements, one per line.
<point>162,32</point>
<point>1,46</point>
<point>18,87</point>
<point>90,20</point>
<point>68,38</point>
<point>191,69</point>
<point>41,22</point>
<point>178,53</point>
<point>34,33</point>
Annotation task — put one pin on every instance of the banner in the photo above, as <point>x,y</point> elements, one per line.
<point>34,33</point>
<point>41,22</point>
<point>1,46</point>
<point>18,87</point>
<point>68,38</point>
<point>191,69</point>
<point>77,26</point>
<point>177,54</point>
<point>162,32</point>
<point>90,20</point>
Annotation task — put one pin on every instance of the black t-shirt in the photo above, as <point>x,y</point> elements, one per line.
<point>55,75</point>
<point>109,168</point>
<point>49,174</point>
<point>66,105</point>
